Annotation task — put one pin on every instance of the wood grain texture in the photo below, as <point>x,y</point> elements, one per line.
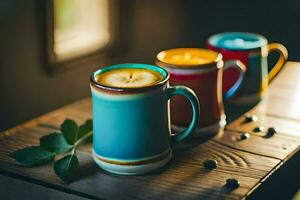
<point>284,126</point>
<point>279,146</point>
<point>251,161</point>
<point>183,178</point>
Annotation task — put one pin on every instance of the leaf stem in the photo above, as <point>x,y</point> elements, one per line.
<point>83,138</point>
<point>73,151</point>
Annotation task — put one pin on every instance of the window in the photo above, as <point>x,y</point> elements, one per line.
<point>78,28</point>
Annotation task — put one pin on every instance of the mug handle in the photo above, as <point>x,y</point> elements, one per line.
<point>283,54</point>
<point>191,96</point>
<point>241,69</point>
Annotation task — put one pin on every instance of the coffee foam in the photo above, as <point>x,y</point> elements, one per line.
<point>128,78</point>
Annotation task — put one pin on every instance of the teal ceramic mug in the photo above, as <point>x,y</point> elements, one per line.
<point>131,126</point>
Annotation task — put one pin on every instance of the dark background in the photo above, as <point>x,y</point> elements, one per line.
<point>28,90</point>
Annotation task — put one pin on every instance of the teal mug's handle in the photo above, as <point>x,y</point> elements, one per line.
<point>241,69</point>
<point>191,96</point>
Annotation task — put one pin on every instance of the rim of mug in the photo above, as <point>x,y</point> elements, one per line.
<point>164,73</point>
<point>262,40</point>
<point>195,66</point>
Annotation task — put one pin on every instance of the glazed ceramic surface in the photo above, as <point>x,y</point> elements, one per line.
<point>201,70</point>
<point>132,125</point>
<point>252,50</point>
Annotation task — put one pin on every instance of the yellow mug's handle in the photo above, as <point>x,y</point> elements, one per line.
<point>283,54</point>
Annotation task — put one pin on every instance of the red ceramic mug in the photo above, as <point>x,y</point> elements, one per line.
<point>201,70</point>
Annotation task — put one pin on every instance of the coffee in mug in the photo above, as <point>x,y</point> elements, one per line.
<point>129,78</point>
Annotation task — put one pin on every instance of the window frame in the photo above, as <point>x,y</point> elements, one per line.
<point>97,57</point>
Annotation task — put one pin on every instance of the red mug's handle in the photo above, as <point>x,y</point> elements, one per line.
<point>236,64</point>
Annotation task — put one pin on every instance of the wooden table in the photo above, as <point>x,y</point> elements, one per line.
<point>265,166</point>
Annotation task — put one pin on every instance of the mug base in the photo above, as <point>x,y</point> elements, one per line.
<point>132,168</point>
<point>205,131</point>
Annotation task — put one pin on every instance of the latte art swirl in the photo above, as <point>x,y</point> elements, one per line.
<point>129,78</point>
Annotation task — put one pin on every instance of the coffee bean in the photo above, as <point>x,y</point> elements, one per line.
<point>244,136</point>
<point>232,183</point>
<point>272,131</point>
<point>259,129</point>
<point>210,164</point>
<point>250,118</point>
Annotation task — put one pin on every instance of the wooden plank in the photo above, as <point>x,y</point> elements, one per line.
<point>12,188</point>
<point>287,79</point>
<point>183,178</point>
<point>231,161</point>
<point>283,96</point>
<point>279,146</point>
<point>280,107</point>
<point>284,126</point>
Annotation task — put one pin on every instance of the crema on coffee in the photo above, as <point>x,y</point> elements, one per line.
<point>183,57</point>
<point>129,78</point>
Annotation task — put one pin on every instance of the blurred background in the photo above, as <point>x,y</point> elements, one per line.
<point>49,48</point>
